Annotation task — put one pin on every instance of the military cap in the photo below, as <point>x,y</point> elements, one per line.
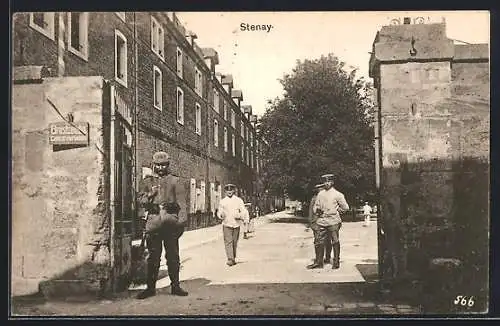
<point>327,177</point>
<point>161,157</point>
<point>229,186</point>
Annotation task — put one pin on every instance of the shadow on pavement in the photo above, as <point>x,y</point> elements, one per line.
<point>289,219</point>
<point>368,271</point>
<point>236,299</point>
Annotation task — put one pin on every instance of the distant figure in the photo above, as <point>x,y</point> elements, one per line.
<point>246,221</point>
<point>327,207</point>
<point>367,210</point>
<point>232,212</point>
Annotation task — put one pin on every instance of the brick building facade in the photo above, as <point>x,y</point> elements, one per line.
<point>180,103</point>
<point>173,99</point>
<point>432,147</point>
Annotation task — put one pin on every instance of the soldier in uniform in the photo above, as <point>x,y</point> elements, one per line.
<point>159,196</point>
<point>314,227</point>
<point>327,207</point>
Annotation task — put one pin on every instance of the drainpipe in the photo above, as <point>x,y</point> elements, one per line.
<point>136,120</point>
<point>112,185</point>
<point>208,153</point>
<point>60,45</point>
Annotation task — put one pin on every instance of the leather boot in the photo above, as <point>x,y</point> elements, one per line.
<point>318,263</point>
<point>328,251</point>
<point>149,292</point>
<point>336,256</point>
<point>151,277</point>
<point>177,290</point>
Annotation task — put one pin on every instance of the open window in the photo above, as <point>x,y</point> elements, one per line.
<point>179,63</point>
<point>120,14</point>
<point>216,133</point>
<point>216,100</point>
<point>180,106</point>
<point>198,82</point>
<point>157,38</point>
<point>78,32</point>
<point>225,139</point>
<point>120,58</point>
<point>43,22</point>
<point>198,118</point>
<point>157,88</point>
<point>233,144</point>
<point>233,119</point>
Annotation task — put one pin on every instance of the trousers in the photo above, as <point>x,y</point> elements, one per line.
<point>231,236</point>
<point>327,233</point>
<point>169,237</point>
<point>327,243</point>
<point>326,237</point>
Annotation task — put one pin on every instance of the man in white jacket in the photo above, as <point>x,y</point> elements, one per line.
<point>233,213</point>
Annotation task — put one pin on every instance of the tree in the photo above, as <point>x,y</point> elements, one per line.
<point>322,124</point>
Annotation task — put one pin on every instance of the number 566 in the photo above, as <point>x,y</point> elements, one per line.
<point>463,301</point>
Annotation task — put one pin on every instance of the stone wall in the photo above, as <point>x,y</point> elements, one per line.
<point>434,130</point>
<point>60,218</point>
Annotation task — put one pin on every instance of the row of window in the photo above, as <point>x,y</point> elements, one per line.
<point>157,46</point>
<point>76,30</point>
<point>180,116</point>
<point>245,149</point>
<point>77,26</point>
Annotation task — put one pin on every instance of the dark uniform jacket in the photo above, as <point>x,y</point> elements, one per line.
<point>312,216</point>
<point>170,196</point>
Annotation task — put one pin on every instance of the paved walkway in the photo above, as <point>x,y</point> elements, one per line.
<point>195,238</point>
<point>270,278</point>
<point>276,252</point>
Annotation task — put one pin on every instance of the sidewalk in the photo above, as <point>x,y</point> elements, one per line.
<point>199,237</point>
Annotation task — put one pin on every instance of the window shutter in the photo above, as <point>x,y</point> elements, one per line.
<point>192,196</point>
<point>212,197</point>
<point>202,196</point>
<point>161,40</point>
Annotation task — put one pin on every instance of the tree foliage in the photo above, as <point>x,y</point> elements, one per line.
<point>322,124</point>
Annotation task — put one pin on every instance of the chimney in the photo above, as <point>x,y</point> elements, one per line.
<point>237,95</point>
<point>253,117</point>
<point>227,83</point>
<point>171,16</point>
<point>211,58</point>
<point>218,75</point>
<point>247,110</point>
<point>191,36</point>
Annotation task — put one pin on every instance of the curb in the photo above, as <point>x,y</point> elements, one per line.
<point>193,245</point>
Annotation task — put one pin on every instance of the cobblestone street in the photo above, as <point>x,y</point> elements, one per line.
<point>269,279</point>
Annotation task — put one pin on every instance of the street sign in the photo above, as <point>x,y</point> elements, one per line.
<point>65,133</point>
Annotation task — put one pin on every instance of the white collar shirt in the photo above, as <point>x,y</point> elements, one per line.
<point>232,211</point>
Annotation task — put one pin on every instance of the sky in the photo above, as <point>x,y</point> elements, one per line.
<point>258,59</point>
